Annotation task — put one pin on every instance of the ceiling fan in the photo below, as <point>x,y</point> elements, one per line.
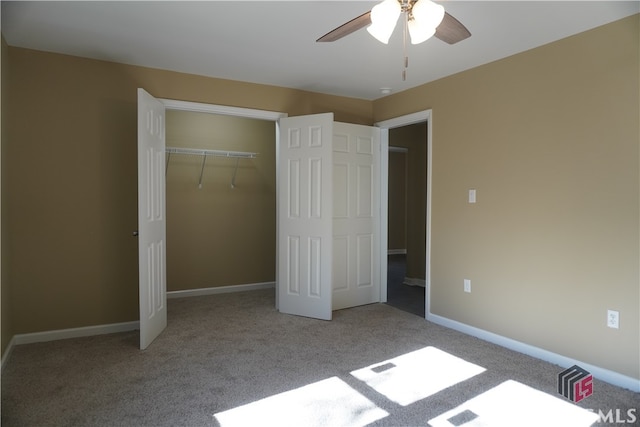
<point>449,29</point>
<point>422,19</point>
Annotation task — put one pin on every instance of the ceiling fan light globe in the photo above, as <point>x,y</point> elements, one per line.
<point>387,11</point>
<point>427,13</point>
<point>381,33</point>
<point>420,33</point>
<point>384,17</point>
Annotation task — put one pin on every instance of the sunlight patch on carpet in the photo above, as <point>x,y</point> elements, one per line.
<point>512,403</point>
<point>417,375</point>
<point>330,402</point>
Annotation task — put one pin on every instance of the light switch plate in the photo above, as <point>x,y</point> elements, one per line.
<point>472,195</point>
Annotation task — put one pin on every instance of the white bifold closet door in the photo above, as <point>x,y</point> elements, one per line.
<point>356,215</point>
<point>328,216</point>
<point>152,220</point>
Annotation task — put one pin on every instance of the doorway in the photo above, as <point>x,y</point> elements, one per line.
<point>152,183</point>
<point>246,185</point>
<point>151,202</point>
<point>406,209</point>
<point>419,204</point>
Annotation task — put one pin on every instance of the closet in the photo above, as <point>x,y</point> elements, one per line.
<point>225,203</point>
<point>220,200</point>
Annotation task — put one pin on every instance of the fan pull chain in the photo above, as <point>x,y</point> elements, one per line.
<point>404,45</point>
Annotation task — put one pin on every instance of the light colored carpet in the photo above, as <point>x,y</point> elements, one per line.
<point>232,359</point>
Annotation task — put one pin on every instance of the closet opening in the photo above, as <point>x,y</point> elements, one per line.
<point>220,200</point>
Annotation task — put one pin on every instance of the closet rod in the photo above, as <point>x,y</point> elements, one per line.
<point>217,153</point>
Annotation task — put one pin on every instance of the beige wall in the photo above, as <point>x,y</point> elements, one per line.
<point>414,138</point>
<point>218,235</point>
<point>72,198</point>
<point>550,140</point>
<point>397,192</point>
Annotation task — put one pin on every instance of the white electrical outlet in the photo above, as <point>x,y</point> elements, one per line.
<point>613,319</point>
<point>467,285</point>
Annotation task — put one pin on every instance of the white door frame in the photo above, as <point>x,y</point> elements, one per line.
<point>225,110</point>
<point>198,107</point>
<point>409,119</point>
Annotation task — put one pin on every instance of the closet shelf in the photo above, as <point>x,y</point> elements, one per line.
<point>215,153</point>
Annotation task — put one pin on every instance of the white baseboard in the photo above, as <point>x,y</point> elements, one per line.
<point>220,290</point>
<point>121,327</point>
<point>87,331</point>
<point>414,282</point>
<point>396,252</point>
<point>62,334</point>
<point>7,353</point>
<point>603,374</point>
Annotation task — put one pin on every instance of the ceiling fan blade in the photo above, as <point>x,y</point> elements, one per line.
<point>348,28</point>
<point>451,30</point>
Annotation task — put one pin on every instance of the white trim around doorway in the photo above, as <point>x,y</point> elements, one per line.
<point>385,125</point>
<point>198,107</point>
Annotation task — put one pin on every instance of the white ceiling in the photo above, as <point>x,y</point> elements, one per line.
<point>273,42</point>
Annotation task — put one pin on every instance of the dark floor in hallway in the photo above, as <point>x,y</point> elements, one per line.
<point>404,297</point>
